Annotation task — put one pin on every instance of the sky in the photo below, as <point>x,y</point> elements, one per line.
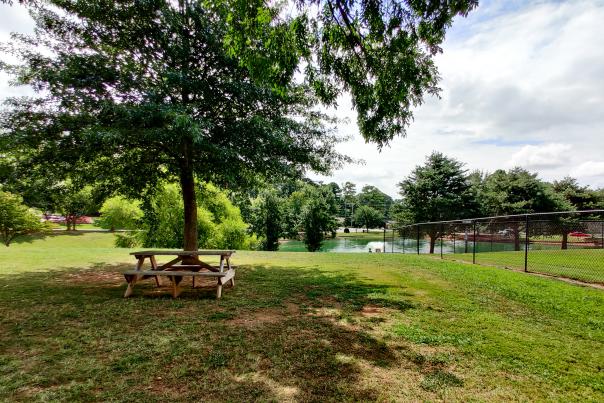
<point>522,85</point>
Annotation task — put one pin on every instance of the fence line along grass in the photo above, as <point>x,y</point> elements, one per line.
<point>579,264</point>
<point>298,327</point>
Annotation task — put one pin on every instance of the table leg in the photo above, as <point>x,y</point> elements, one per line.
<point>154,267</point>
<point>229,266</point>
<point>131,279</point>
<point>176,290</point>
<point>218,290</point>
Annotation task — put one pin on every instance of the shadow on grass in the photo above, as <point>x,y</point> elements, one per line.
<point>280,334</point>
<point>46,234</point>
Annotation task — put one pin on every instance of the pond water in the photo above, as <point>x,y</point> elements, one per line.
<point>400,245</point>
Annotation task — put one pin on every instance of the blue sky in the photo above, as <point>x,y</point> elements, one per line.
<point>522,85</point>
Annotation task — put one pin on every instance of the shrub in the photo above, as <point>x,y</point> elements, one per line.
<point>127,240</point>
<point>219,223</point>
<point>120,213</point>
<point>16,219</point>
<point>232,234</point>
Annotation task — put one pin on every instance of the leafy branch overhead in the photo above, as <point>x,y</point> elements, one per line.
<point>381,52</point>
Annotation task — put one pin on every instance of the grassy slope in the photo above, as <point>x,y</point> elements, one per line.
<point>298,326</point>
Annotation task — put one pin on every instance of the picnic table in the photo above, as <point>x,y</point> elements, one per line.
<point>183,264</point>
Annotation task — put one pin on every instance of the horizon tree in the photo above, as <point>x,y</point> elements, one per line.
<point>517,191</point>
<point>439,190</point>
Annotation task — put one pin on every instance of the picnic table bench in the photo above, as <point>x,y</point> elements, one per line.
<point>184,263</point>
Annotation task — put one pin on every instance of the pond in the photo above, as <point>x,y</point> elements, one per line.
<point>400,245</point>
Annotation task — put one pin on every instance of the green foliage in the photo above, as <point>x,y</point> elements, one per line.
<point>138,93</point>
<point>219,223</point>
<point>120,213</point>
<point>267,219</point>
<point>378,51</point>
<point>16,219</point>
<point>317,217</point>
<point>127,240</point>
<point>368,217</point>
<point>580,197</point>
<point>436,191</point>
<point>373,197</point>
<point>73,202</point>
<point>517,191</point>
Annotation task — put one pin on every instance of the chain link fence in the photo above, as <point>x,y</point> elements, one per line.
<point>566,244</point>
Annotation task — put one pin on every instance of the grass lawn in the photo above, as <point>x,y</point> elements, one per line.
<point>580,264</point>
<point>297,327</point>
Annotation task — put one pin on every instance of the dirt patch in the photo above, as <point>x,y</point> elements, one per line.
<point>369,311</point>
<point>292,309</point>
<point>91,276</point>
<point>267,316</point>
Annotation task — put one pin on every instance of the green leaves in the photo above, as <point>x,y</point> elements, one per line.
<point>380,52</point>
<point>16,219</point>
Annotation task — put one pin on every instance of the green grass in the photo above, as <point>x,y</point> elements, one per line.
<point>298,326</point>
<point>579,264</point>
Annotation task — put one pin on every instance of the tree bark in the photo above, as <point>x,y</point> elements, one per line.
<point>432,242</point>
<point>564,240</point>
<point>187,183</point>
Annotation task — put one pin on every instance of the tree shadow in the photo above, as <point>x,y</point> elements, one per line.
<point>42,235</point>
<point>280,334</point>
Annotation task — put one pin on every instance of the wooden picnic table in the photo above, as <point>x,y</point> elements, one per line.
<point>183,264</point>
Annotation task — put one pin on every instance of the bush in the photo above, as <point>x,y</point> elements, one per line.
<point>127,240</point>
<point>120,213</point>
<point>16,219</point>
<point>219,223</point>
<point>232,234</point>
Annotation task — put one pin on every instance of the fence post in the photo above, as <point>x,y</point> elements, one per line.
<point>384,238</point>
<point>418,239</point>
<point>474,243</point>
<point>392,241</point>
<point>454,236</point>
<point>441,240</point>
<point>526,242</point>
<point>602,234</point>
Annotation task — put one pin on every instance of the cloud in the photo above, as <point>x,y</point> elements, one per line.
<point>541,156</point>
<point>589,169</point>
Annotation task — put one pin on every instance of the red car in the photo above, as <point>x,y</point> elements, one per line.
<point>578,234</point>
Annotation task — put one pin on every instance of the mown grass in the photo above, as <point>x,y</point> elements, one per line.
<point>579,264</point>
<point>297,327</point>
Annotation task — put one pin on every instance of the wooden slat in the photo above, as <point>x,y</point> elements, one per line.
<point>175,273</point>
<point>209,252</point>
<point>228,276</point>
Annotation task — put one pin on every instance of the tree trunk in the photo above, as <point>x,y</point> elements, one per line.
<point>187,183</point>
<point>432,242</point>
<point>564,240</point>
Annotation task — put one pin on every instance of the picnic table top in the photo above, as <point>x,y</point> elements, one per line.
<point>183,252</point>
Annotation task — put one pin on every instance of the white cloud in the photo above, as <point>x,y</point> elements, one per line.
<point>541,156</point>
<point>589,169</point>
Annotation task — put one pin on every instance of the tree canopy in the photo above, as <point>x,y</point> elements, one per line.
<point>136,92</point>
<point>436,191</point>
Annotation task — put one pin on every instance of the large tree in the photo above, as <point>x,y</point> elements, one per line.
<point>439,190</point>
<point>373,197</point>
<point>141,91</point>
<point>517,191</point>
<point>208,90</point>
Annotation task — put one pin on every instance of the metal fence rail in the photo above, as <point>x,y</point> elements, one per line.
<point>565,244</point>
